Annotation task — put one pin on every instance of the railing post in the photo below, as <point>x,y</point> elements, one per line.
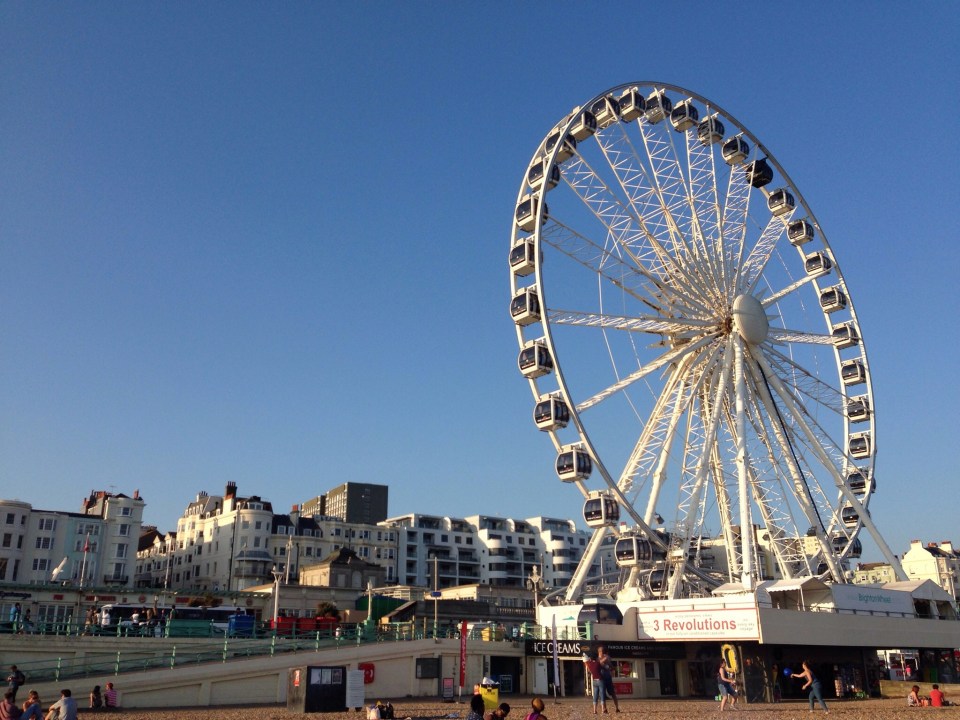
<point>226,646</point>
<point>56,673</point>
<point>116,667</point>
<point>316,642</point>
<point>173,657</point>
<point>273,645</point>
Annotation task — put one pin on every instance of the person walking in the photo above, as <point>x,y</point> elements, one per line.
<point>726,684</point>
<point>812,682</point>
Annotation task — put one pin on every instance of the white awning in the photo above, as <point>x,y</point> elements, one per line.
<point>796,585</point>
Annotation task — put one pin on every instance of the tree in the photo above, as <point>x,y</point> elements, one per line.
<point>327,609</point>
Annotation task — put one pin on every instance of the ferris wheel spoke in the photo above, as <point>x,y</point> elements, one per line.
<point>665,359</point>
<point>783,335</point>
<point>788,290</point>
<point>803,492</point>
<point>803,381</point>
<point>760,254</point>
<point>674,327</point>
<point>621,223</point>
<point>705,207</point>
<point>732,240</point>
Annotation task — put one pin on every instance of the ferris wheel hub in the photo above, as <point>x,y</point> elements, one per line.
<point>750,320</point>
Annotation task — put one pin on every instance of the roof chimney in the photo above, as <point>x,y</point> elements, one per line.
<point>231,490</point>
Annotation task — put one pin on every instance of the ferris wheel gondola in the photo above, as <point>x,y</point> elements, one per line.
<point>690,342</point>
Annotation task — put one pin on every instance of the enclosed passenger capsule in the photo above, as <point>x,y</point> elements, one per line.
<point>799,232</point>
<point>735,150</point>
<point>845,335</point>
<point>858,409</point>
<point>535,176</point>
<point>632,105</point>
<point>584,125</point>
<point>840,543</point>
<point>684,115</point>
<point>573,463</point>
<point>849,516</point>
<point>566,151</point>
<point>852,372</point>
<point>759,173</point>
<point>857,481</point>
<point>658,107</point>
<point>551,413</point>
<point>528,210</point>
<point>656,579</point>
<point>860,445</point>
<point>781,201</point>
<point>832,299</point>
<point>633,551</point>
<point>606,110</point>
<point>816,264</point>
<point>710,130</point>
<point>535,360</point>
<point>523,257</point>
<point>601,509</point>
<point>525,307</point>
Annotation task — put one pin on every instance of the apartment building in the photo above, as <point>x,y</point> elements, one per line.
<point>93,547</point>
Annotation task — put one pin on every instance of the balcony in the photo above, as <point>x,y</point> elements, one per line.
<point>116,579</point>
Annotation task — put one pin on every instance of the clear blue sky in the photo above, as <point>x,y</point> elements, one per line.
<point>266,242</point>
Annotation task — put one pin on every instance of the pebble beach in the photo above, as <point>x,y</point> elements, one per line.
<point>564,709</point>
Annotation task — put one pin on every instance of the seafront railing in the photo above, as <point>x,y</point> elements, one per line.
<point>140,658</point>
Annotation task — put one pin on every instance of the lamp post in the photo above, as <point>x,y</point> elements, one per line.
<point>277,574</point>
<point>435,594</point>
<point>535,584</point>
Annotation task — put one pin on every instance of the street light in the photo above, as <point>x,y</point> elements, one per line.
<point>535,584</point>
<point>277,574</point>
<point>435,594</point>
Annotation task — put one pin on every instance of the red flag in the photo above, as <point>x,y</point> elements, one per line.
<point>463,653</point>
<point>86,544</point>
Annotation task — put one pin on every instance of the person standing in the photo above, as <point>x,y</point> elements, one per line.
<point>606,674</point>
<point>599,691</point>
<point>15,679</point>
<point>15,615</point>
<point>63,709</point>
<point>812,682</point>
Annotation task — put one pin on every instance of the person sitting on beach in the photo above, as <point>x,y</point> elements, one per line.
<point>936,697</point>
<point>96,699</point>
<point>913,697</point>
<point>8,708</point>
<point>537,714</point>
<point>499,713</point>
<point>109,697</point>
<point>476,707</point>
<point>63,709</point>
<point>31,707</point>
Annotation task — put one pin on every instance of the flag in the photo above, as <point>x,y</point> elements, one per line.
<point>463,654</point>
<point>58,570</point>
<point>86,544</point>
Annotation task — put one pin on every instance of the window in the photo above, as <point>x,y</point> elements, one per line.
<point>78,546</point>
<point>258,524</point>
<point>120,550</point>
<point>47,524</point>
<point>125,511</point>
<point>123,529</point>
<point>7,539</point>
<point>256,541</point>
<point>10,518</point>
<point>41,564</point>
<point>281,530</point>
<point>43,543</point>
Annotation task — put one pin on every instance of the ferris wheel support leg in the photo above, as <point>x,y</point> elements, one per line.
<point>841,484</point>
<point>746,521</point>
<point>583,567</point>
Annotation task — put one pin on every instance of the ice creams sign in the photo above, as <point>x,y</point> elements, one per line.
<point>728,623</point>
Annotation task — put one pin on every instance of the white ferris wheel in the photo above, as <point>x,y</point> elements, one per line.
<point>692,348</point>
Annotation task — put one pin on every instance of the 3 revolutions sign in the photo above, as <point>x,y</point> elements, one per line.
<point>719,623</point>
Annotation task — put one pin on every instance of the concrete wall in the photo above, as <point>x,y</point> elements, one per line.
<point>261,679</point>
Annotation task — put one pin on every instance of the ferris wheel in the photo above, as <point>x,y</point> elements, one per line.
<point>692,348</point>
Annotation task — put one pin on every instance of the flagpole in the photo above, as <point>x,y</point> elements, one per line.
<point>83,565</point>
<point>556,658</point>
